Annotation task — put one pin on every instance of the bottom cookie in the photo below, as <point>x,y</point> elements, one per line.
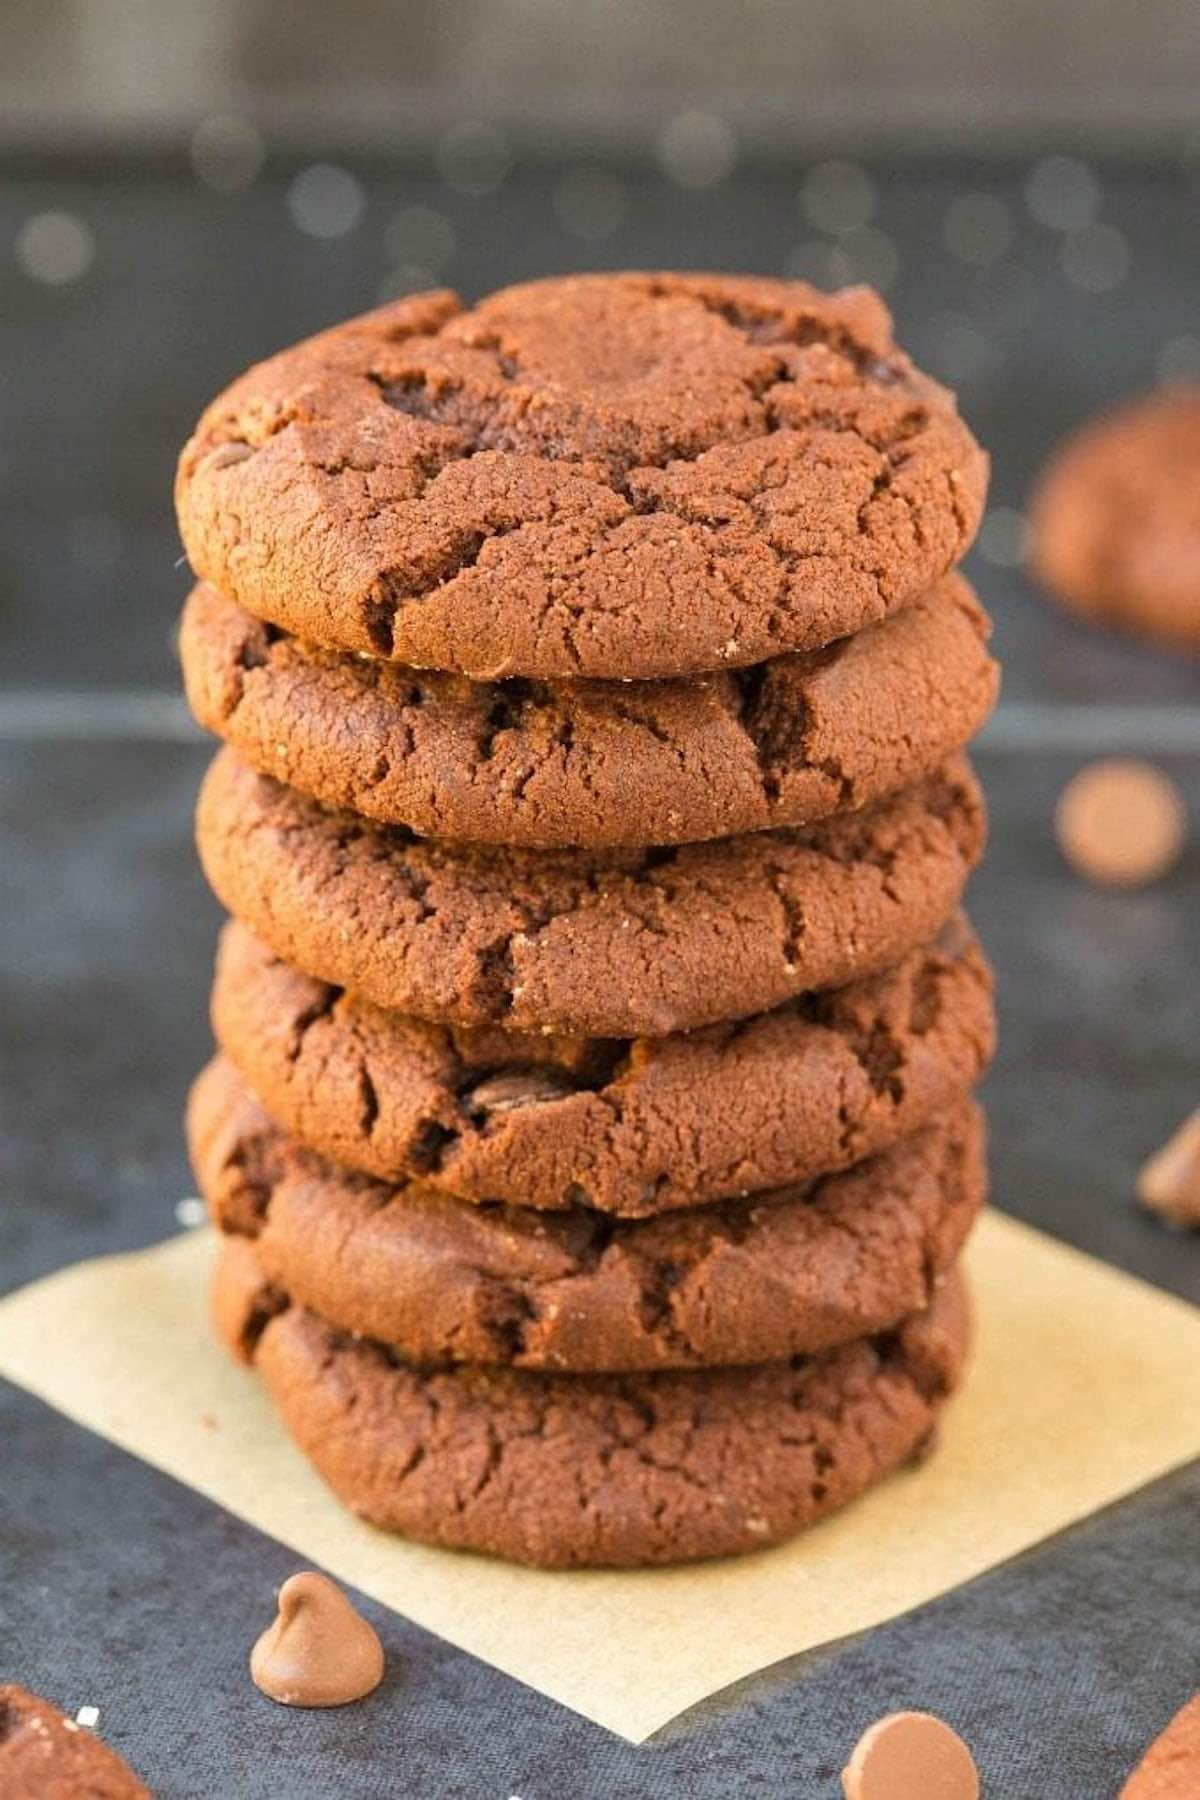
<point>577,1471</point>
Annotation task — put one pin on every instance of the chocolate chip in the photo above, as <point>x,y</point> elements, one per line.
<point>1121,823</point>
<point>226,455</point>
<point>518,1087</point>
<point>1169,1184</point>
<point>910,1756</point>
<point>319,1651</point>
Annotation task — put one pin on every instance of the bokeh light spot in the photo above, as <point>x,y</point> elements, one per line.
<point>325,201</point>
<point>838,197</point>
<point>55,247</point>
<point>697,149</point>
<point>1062,193</point>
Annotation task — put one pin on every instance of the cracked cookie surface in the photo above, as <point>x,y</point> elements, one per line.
<point>611,475</point>
<point>597,763</point>
<point>612,944</point>
<point>629,1127</point>
<point>563,1471</point>
<point>441,1282</point>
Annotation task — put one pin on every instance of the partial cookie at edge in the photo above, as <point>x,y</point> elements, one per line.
<point>1115,518</point>
<point>46,1756</point>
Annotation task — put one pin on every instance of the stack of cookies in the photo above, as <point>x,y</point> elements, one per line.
<point>591,1134</point>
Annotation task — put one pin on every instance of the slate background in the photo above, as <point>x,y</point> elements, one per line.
<point>119,1588</point>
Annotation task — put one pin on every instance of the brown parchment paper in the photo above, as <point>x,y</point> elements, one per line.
<point>1083,1387</point>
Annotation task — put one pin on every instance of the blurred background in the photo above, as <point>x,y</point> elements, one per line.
<point>601,74</point>
<point>189,187</point>
<point>185,188</point>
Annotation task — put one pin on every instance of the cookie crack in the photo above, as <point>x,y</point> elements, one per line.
<point>490,423</point>
<point>368,1100</point>
<point>773,710</point>
<point>304,1021</point>
<point>267,1302</point>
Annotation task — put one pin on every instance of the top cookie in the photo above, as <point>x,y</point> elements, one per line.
<point>1116,518</point>
<point>617,475</point>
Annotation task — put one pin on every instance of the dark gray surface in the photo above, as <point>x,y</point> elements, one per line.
<point>119,1588</point>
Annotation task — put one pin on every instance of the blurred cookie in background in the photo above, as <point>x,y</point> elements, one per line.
<point>1115,518</point>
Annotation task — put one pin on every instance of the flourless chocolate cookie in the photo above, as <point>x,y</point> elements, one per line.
<point>629,1127</point>
<point>46,1756</point>
<point>441,1282</point>
<point>572,1470</point>
<point>1116,518</point>
<point>608,475</point>
<point>597,763</point>
<point>597,944</point>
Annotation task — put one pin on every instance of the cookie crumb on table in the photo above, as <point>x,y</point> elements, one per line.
<point>46,1756</point>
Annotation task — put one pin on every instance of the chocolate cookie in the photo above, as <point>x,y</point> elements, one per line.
<point>629,1127</point>
<point>597,763</point>
<point>565,1471</point>
<point>1116,518</point>
<point>442,1282</point>
<point>608,475</point>
<point>612,944</point>
<point>46,1756</point>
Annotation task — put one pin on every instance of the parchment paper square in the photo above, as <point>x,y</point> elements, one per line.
<point>1083,1386</point>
